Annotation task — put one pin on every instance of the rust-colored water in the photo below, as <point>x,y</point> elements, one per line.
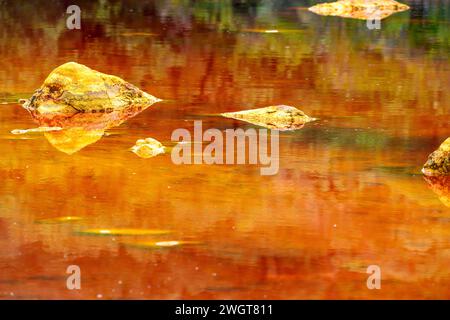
<point>348,193</point>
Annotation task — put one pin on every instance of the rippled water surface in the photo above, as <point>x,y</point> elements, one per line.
<point>348,193</point>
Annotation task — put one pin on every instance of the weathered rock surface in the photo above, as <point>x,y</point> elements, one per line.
<point>438,163</point>
<point>73,87</point>
<point>440,186</point>
<point>274,117</point>
<point>359,9</point>
<point>148,148</point>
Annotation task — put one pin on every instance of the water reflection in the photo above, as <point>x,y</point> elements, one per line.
<point>348,194</point>
<point>80,129</point>
<point>441,186</point>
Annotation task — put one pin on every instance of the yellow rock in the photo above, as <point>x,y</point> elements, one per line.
<point>148,148</point>
<point>359,9</point>
<point>73,87</point>
<point>76,104</point>
<point>274,117</point>
<point>438,163</point>
<point>440,186</point>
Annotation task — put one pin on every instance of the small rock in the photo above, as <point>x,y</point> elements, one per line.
<point>274,117</point>
<point>148,148</point>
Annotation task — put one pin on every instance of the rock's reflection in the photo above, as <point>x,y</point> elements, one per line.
<point>441,186</point>
<point>81,129</point>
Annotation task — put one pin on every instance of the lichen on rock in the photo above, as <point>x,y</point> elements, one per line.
<point>359,9</point>
<point>73,87</point>
<point>438,163</point>
<point>148,148</point>
<point>274,117</point>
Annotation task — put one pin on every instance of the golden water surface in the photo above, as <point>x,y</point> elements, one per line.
<point>348,193</point>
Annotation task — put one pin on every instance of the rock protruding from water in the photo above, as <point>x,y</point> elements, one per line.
<point>274,117</point>
<point>148,148</point>
<point>82,104</point>
<point>438,163</point>
<point>73,88</point>
<point>359,9</point>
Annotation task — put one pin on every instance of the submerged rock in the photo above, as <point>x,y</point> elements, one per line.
<point>440,186</point>
<point>274,117</point>
<point>359,9</point>
<point>73,88</point>
<point>438,163</point>
<point>148,148</point>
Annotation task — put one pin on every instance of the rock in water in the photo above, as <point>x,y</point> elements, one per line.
<point>73,88</point>
<point>148,148</point>
<point>83,103</point>
<point>359,9</point>
<point>273,117</point>
<point>438,163</point>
